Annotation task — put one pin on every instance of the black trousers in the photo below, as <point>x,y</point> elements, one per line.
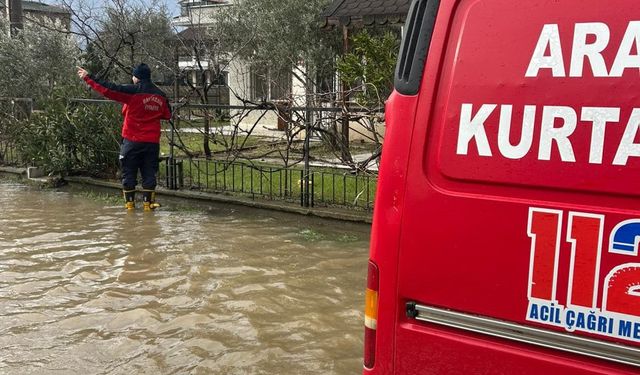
<point>139,156</point>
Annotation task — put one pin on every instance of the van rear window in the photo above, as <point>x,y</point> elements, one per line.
<point>415,44</point>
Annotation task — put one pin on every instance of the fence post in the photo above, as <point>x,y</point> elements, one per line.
<point>171,161</point>
<point>311,198</point>
<point>305,179</point>
<point>175,177</point>
<point>180,176</point>
<point>167,177</point>
<point>302,188</point>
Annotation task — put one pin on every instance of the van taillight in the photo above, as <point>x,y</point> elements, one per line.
<point>371,316</point>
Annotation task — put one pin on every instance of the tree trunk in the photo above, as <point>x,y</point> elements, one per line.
<point>205,100</point>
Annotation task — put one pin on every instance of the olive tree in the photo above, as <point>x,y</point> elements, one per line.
<point>63,137</point>
<point>285,37</point>
<point>36,61</point>
<point>279,34</point>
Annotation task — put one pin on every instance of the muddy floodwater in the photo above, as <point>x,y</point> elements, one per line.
<point>87,288</point>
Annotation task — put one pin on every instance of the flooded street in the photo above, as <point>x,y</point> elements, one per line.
<point>87,288</point>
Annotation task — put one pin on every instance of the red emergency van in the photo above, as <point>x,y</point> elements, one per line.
<point>507,218</point>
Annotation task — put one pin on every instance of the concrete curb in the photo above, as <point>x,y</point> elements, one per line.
<point>326,213</point>
<point>16,171</point>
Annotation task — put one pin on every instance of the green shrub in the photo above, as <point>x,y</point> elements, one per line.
<point>370,65</point>
<point>69,137</point>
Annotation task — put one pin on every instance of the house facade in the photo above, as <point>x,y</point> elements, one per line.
<point>35,11</point>
<point>238,81</point>
<point>19,12</point>
<point>352,15</point>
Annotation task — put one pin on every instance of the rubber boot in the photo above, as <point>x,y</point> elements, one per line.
<point>129,199</point>
<point>149,200</point>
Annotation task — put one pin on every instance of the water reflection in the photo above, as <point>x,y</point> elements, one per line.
<point>86,288</point>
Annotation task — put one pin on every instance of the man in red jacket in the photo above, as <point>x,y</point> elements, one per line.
<point>144,105</point>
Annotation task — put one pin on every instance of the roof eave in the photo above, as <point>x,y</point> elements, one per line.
<point>357,21</point>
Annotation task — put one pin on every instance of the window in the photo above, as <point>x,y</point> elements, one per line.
<point>267,84</point>
<point>259,86</point>
<point>221,79</point>
<point>326,84</point>
<point>280,84</point>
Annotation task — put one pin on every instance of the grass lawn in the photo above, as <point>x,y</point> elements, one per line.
<point>267,178</point>
<point>194,143</point>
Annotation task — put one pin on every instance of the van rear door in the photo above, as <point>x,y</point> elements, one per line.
<point>519,243</point>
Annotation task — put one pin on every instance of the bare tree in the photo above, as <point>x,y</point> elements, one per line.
<point>120,34</point>
<point>273,35</point>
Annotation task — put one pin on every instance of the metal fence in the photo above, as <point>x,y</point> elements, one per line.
<point>326,187</point>
<point>298,182</point>
<point>12,110</point>
<point>8,154</point>
<point>309,185</point>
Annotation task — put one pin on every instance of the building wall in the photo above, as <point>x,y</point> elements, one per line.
<point>240,83</point>
<point>240,87</point>
<point>25,12</point>
<point>63,18</point>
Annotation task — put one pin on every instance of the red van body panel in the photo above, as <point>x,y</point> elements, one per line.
<point>387,219</point>
<point>508,195</point>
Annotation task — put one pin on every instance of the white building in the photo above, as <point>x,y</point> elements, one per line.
<point>241,80</point>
